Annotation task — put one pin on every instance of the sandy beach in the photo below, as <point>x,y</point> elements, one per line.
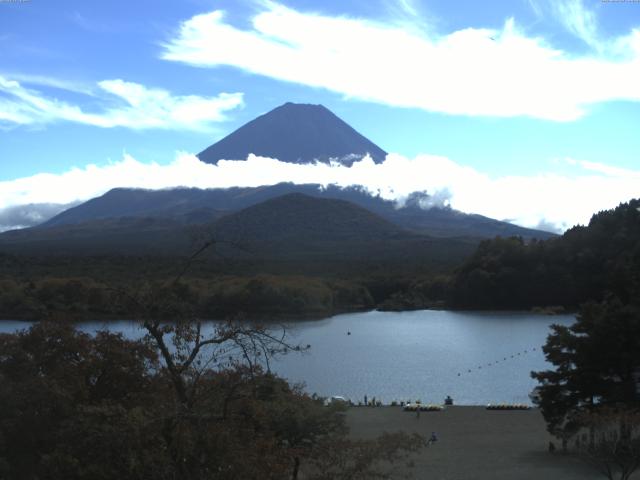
<point>475,443</point>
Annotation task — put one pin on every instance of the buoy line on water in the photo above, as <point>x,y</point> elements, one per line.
<point>504,359</point>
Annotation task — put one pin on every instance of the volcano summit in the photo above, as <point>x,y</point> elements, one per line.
<point>295,133</point>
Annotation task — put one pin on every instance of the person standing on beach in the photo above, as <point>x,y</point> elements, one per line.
<point>418,412</point>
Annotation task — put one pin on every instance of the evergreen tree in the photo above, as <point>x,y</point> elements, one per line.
<point>596,365</point>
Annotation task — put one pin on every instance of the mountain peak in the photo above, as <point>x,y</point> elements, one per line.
<point>302,105</point>
<point>295,133</point>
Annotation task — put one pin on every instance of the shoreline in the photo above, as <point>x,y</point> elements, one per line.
<point>308,316</point>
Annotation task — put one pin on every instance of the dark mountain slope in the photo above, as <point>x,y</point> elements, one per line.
<point>298,232</point>
<point>287,223</point>
<point>293,233</point>
<point>127,202</point>
<point>295,133</point>
<point>121,236</point>
<point>193,206</point>
<point>302,218</point>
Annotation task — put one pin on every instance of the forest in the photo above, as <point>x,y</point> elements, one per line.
<point>558,274</point>
<point>586,263</point>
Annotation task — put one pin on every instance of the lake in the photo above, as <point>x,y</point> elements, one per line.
<point>476,357</point>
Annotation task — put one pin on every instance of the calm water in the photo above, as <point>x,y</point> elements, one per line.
<point>422,355</point>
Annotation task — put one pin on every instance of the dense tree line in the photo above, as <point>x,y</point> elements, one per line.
<point>257,296</point>
<point>586,263</point>
<point>265,296</point>
<point>505,273</point>
<point>80,287</point>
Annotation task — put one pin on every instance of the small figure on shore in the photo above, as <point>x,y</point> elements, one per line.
<point>365,401</point>
<point>448,400</point>
<point>373,401</point>
<point>418,413</point>
<point>434,437</point>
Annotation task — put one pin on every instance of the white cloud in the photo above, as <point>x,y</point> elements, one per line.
<point>475,71</point>
<point>138,107</point>
<point>548,199</point>
<point>22,216</point>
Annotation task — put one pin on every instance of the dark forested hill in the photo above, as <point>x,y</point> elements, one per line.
<point>194,206</point>
<point>586,263</point>
<point>294,231</point>
<point>290,255</point>
<point>295,133</point>
<point>302,219</point>
<point>306,232</point>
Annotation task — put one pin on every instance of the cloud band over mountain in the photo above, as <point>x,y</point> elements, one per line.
<point>547,200</point>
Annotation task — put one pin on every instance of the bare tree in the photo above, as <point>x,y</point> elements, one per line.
<point>191,350</point>
<point>200,357</point>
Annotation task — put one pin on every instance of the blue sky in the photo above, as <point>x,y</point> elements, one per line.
<point>522,97</point>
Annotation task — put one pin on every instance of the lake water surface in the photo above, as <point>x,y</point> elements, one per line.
<point>476,357</point>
